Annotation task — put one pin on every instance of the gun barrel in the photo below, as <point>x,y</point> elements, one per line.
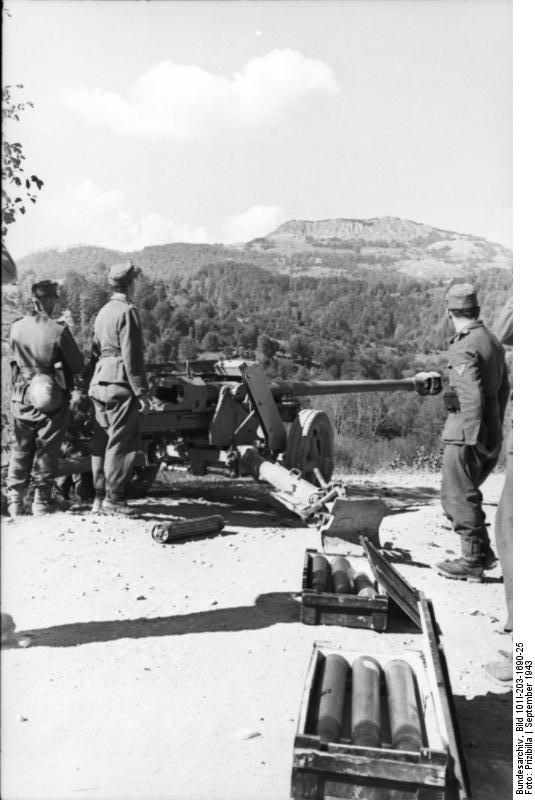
<point>424,383</point>
<point>309,388</point>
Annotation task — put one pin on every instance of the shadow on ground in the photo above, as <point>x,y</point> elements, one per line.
<point>269,609</point>
<point>246,493</point>
<point>485,723</point>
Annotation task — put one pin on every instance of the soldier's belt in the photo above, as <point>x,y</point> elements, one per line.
<point>110,351</point>
<point>29,372</point>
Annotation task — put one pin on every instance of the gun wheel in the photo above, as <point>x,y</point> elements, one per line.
<point>310,445</point>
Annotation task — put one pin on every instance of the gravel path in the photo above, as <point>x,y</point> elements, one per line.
<point>177,671</point>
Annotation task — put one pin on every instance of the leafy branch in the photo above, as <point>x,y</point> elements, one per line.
<point>17,187</point>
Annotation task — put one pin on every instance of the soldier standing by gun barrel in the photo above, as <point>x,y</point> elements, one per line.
<point>476,400</point>
<point>44,360</point>
<point>119,391</point>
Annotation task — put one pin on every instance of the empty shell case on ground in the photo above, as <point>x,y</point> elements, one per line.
<point>167,532</point>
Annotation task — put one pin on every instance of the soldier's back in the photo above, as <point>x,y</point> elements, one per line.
<point>108,321</point>
<point>35,340</point>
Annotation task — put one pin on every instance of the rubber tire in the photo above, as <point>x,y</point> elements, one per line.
<point>141,481</point>
<point>310,444</point>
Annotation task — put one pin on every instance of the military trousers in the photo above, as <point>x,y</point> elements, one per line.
<point>504,531</point>
<point>36,448</point>
<point>115,438</point>
<point>464,469</point>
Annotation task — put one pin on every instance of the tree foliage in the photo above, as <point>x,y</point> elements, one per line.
<point>17,186</point>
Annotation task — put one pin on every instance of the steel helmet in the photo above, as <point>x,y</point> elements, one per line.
<point>44,393</point>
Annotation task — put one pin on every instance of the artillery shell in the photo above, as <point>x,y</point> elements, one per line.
<point>332,696</point>
<point>340,572</point>
<point>366,702</point>
<point>321,572</point>
<point>364,586</point>
<point>403,710</point>
<point>165,532</point>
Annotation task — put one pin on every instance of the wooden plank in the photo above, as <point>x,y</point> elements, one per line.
<point>370,767</point>
<point>441,689</point>
<point>401,592</point>
<point>307,691</point>
<point>345,601</point>
<point>375,621</point>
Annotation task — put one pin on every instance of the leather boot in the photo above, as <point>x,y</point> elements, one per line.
<point>15,505</point>
<point>116,507</point>
<point>469,567</point>
<point>96,508</point>
<point>42,501</point>
<point>490,559</point>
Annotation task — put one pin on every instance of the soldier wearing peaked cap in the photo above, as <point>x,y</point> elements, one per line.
<point>475,400</point>
<point>44,360</point>
<point>118,390</point>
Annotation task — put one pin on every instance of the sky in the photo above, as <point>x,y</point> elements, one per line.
<point>156,122</point>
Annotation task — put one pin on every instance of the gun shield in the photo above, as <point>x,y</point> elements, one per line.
<point>332,696</point>
<point>366,702</point>
<point>340,573</point>
<point>321,573</point>
<point>403,709</point>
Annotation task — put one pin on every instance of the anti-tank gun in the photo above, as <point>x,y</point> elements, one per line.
<point>227,418</point>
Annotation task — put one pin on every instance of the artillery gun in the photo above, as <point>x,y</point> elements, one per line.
<point>227,418</point>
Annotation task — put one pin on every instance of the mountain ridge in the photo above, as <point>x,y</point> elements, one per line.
<point>328,247</point>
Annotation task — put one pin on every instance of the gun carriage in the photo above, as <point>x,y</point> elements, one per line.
<point>227,418</point>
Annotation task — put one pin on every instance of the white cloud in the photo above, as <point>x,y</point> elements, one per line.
<point>180,101</point>
<point>256,221</point>
<point>87,214</point>
<point>101,217</point>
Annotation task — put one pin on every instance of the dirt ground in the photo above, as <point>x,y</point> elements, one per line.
<point>177,671</point>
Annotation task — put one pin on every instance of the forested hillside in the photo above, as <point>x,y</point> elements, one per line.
<point>378,323</point>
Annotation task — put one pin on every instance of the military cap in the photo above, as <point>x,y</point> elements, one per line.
<point>122,273</point>
<point>461,297</point>
<point>44,289</point>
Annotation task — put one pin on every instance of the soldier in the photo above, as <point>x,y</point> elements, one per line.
<point>118,390</point>
<point>502,669</point>
<point>476,400</point>
<point>44,360</point>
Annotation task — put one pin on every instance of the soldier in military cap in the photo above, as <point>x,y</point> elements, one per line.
<point>475,400</point>
<point>44,360</point>
<point>118,390</point>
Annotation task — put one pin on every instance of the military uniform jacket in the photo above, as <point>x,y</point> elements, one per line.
<point>476,371</point>
<point>118,344</point>
<point>38,342</point>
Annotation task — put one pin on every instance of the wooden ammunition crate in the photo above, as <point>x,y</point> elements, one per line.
<point>349,610</point>
<point>330,608</point>
<point>331,770</point>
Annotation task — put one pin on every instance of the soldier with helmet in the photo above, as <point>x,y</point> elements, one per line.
<point>44,360</point>
<point>472,436</point>
<point>118,390</point>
